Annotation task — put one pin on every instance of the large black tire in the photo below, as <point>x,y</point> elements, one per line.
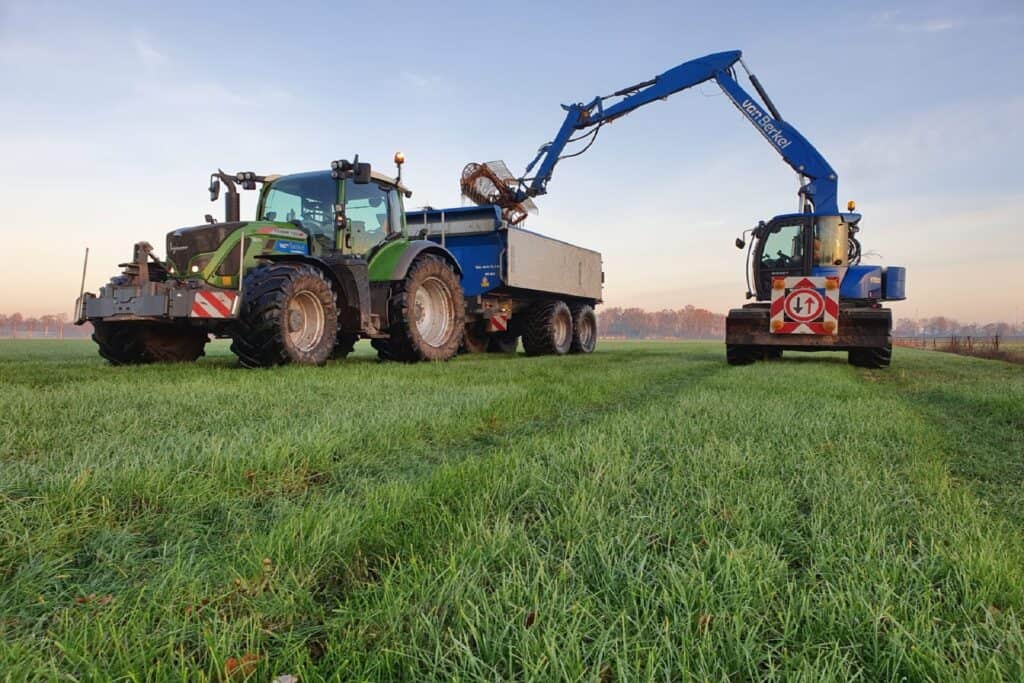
<point>738,354</point>
<point>289,314</point>
<point>584,329</point>
<point>878,357</point>
<point>476,340</point>
<point>502,342</point>
<point>426,313</point>
<point>134,343</point>
<point>548,329</point>
<point>344,345</point>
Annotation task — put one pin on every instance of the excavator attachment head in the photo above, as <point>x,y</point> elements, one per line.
<point>492,183</point>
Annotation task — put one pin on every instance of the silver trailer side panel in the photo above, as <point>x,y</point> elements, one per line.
<point>540,263</point>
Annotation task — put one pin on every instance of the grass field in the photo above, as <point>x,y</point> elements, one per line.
<point>644,513</point>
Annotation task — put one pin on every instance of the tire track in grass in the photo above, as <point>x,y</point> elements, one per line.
<point>976,409</point>
<point>882,591</point>
<point>653,379</point>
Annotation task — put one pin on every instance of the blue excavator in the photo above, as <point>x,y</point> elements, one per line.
<point>810,291</point>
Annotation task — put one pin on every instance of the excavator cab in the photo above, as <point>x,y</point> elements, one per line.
<point>801,244</point>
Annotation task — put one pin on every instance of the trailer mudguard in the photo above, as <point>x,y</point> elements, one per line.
<point>349,275</point>
<point>417,247</point>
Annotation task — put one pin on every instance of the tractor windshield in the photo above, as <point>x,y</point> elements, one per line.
<point>307,201</point>
<point>830,241</point>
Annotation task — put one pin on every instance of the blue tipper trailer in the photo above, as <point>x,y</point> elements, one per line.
<point>517,283</point>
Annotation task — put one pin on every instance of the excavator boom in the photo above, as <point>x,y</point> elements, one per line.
<point>487,184</point>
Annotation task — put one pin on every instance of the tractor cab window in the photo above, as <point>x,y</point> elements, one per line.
<point>366,208</point>
<point>831,241</point>
<point>783,247</point>
<point>306,200</point>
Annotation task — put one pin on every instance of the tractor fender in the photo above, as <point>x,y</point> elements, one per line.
<point>415,249</point>
<point>350,279</point>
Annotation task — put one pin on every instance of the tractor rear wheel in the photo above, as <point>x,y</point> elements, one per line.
<point>548,329</point>
<point>740,354</point>
<point>584,329</point>
<point>877,357</point>
<point>134,343</point>
<point>289,314</point>
<point>427,314</point>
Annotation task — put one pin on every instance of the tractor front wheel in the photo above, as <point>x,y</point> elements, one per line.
<point>289,315</point>
<point>135,343</point>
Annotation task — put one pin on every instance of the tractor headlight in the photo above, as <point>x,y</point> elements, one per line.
<point>199,263</point>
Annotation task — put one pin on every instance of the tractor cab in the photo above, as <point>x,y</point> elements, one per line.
<point>800,244</point>
<point>348,215</point>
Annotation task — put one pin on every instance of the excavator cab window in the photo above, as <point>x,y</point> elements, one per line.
<point>781,250</point>
<point>783,247</point>
<point>831,241</point>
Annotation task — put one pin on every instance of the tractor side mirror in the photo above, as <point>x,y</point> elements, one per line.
<point>214,189</point>
<point>740,243</point>
<point>362,174</point>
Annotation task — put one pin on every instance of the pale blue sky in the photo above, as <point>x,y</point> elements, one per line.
<point>113,115</point>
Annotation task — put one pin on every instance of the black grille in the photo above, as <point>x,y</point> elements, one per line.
<point>185,243</point>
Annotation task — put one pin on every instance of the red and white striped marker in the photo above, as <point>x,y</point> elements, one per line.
<point>213,304</point>
<point>499,323</point>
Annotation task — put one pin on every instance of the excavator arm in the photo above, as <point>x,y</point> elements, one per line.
<point>818,180</point>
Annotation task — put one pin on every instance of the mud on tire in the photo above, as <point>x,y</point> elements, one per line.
<point>289,314</point>
<point>133,343</point>
<point>426,312</point>
<point>548,329</point>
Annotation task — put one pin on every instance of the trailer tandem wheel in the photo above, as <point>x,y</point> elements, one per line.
<point>548,329</point>
<point>584,329</point>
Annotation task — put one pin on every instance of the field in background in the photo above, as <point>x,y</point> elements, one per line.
<point>644,512</point>
<point>994,347</point>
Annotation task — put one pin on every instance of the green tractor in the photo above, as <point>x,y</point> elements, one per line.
<point>328,261</point>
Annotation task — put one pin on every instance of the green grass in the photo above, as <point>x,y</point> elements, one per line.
<point>644,513</point>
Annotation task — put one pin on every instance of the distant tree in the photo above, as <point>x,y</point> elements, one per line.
<point>61,321</point>
<point>905,327</point>
<point>15,320</point>
<point>30,324</point>
<point>47,321</point>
